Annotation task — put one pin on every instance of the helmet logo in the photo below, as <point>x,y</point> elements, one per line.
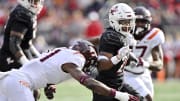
<point>114,10</point>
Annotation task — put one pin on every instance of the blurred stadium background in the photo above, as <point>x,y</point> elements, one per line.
<point>62,21</point>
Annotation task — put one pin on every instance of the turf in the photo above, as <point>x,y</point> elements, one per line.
<point>73,91</point>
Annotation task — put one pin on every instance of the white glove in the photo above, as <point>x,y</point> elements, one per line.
<point>123,54</point>
<point>121,96</point>
<point>23,60</point>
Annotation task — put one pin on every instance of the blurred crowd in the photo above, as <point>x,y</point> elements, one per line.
<point>62,21</point>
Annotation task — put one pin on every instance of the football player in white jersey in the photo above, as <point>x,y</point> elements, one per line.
<point>149,52</point>
<point>55,67</point>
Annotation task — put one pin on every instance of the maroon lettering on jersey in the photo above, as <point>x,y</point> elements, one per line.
<point>49,55</point>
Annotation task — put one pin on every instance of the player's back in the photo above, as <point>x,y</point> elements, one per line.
<point>47,68</point>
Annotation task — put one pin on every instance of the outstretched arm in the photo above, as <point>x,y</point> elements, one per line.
<point>157,56</point>
<point>95,85</point>
<point>15,48</point>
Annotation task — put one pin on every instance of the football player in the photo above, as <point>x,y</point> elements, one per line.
<point>55,67</point>
<point>114,50</point>
<point>149,51</point>
<point>18,34</point>
<point>19,31</point>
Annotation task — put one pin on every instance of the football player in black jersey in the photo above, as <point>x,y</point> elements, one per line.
<point>19,31</point>
<point>114,50</point>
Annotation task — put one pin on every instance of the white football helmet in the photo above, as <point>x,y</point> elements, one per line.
<point>34,6</point>
<point>122,18</point>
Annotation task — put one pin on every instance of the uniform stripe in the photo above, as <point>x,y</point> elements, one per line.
<point>153,34</point>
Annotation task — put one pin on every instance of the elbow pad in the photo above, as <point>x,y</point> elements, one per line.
<point>14,44</point>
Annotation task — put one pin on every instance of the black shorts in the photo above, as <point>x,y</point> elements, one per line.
<point>7,62</point>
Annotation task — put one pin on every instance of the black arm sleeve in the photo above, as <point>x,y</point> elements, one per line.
<point>15,40</point>
<point>14,44</point>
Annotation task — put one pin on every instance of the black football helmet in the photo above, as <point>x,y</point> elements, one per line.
<point>143,22</point>
<point>89,51</point>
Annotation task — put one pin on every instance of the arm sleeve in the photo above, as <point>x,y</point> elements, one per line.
<point>15,40</point>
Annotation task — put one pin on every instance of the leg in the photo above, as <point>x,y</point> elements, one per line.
<point>16,89</point>
<point>135,86</point>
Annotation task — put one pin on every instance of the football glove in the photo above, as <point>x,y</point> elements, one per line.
<point>121,96</point>
<point>123,52</point>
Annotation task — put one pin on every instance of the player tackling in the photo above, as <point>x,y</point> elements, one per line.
<point>55,67</point>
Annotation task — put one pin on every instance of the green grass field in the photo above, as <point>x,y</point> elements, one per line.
<point>73,91</point>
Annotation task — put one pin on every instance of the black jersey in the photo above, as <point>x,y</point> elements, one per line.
<point>20,20</point>
<point>111,41</point>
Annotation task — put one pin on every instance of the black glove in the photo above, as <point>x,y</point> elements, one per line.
<point>49,91</point>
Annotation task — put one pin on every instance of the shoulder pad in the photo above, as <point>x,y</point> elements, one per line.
<point>21,14</point>
<point>156,36</point>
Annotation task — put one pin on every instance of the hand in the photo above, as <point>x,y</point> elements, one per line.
<point>49,91</point>
<point>123,52</point>
<point>123,96</point>
<point>133,98</point>
<point>23,59</point>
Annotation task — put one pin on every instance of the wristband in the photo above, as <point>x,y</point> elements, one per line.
<point>115,60</point>
<point>83,79</point>
<point>113,92</point>
<point>23,60</point>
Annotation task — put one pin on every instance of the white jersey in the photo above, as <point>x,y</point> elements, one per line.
<point>47,68</point>
<point>143,48</point>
